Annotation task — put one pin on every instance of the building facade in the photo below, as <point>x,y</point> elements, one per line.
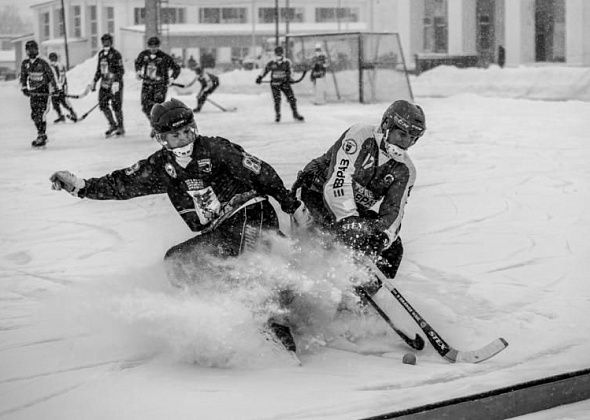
<point>226,32</point>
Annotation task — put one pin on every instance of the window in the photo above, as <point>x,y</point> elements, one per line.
<point>550,30</point>
<point>435,26</point>
<point>233,15</point>
<point>172,15</point>
<point>267,14</point>
<point>139,16</point>
<point>45,27</point>
<point>209,15</point>
<point>59,23</point>
<point>93,29</point>
<point>336,14</point>
<point>485,37</point>
<point>110,20</point>
<point>77,21</point>
<point>222,15</point>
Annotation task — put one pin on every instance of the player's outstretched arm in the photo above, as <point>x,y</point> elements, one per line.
<point>65,180</point>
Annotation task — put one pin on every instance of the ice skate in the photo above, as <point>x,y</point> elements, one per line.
<point>40,141</point>
<point>111,131</point>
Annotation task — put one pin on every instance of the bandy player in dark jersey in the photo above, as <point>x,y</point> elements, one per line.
<point>280,81</point>
<point>219,190</point>
<point>156,70</point>
<point>110,70</point>
<point>37,81</point>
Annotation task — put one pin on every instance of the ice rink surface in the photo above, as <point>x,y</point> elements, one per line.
<point>496,244</point>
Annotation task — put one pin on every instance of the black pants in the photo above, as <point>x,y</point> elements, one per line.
<point>389,259</point>
<point>202,96</point>
<point>106,100</point>
<point>276,96</point>
<point>60,100</point>
<point>39,107</point>
<point>241,232</point>
<point>151,94</point>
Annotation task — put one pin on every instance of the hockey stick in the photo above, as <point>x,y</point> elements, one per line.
<point>416,343</point>
<point>88,112</point>
<point>445,350</point>
<point>67,95</point>
<point>291,82</point>
<point>180,85</point>
<point>186,85</point>
<point>232,109</point>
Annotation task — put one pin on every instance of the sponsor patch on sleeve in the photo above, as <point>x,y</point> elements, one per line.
<point>132,169</point>
<point>170,170</point>
<point>349,146</point>
<point>252,163</point>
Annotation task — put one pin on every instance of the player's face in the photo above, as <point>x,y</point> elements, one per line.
<point>179,138</point>
<point>32,52</point>
<point>401,138</point>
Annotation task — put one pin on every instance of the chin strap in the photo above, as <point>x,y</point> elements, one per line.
<point>391,150</point>
<point>183,154</point>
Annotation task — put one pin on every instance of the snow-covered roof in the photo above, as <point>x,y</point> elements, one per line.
<point>23,37</point>
<point>200,29</point>
<point>59,41</point>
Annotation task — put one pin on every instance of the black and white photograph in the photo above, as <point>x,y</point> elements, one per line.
<point>295,209</point>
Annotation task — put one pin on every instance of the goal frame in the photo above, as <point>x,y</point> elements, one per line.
<point>362,40</point>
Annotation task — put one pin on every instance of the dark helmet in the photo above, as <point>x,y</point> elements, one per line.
<point>106,37</point>
<point>170,116</point>
<point>32,49</point>
<point>153,41</point>
<point>52,56</point>
<point>279,50</point>
<point>405,115</point>
<point>32,44</point>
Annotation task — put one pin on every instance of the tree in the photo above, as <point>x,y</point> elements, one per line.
<point>11,21</point>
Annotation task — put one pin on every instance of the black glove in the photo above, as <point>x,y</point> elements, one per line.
<point>362,235</point>
<point>259,80</point>
<point>26,92</point>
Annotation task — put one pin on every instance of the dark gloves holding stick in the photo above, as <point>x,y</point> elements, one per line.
<point>362,234</point>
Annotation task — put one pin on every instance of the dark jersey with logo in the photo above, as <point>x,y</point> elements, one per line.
<point>318,66</point>
<point>208,81</point>
<point>356,173</point>
<point>110,68</point>
<point>220,175</point>
<point>154,67</point>
<point>36,75</point>
<point>280,71</point>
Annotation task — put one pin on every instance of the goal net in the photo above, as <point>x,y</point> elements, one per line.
<point>362,66</point>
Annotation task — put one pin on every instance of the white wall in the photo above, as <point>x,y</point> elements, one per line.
<point>519,32</point>
<point>470,27</point>
<point>577,20</point>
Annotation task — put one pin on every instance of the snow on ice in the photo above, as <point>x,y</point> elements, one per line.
<point>496,244</point>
